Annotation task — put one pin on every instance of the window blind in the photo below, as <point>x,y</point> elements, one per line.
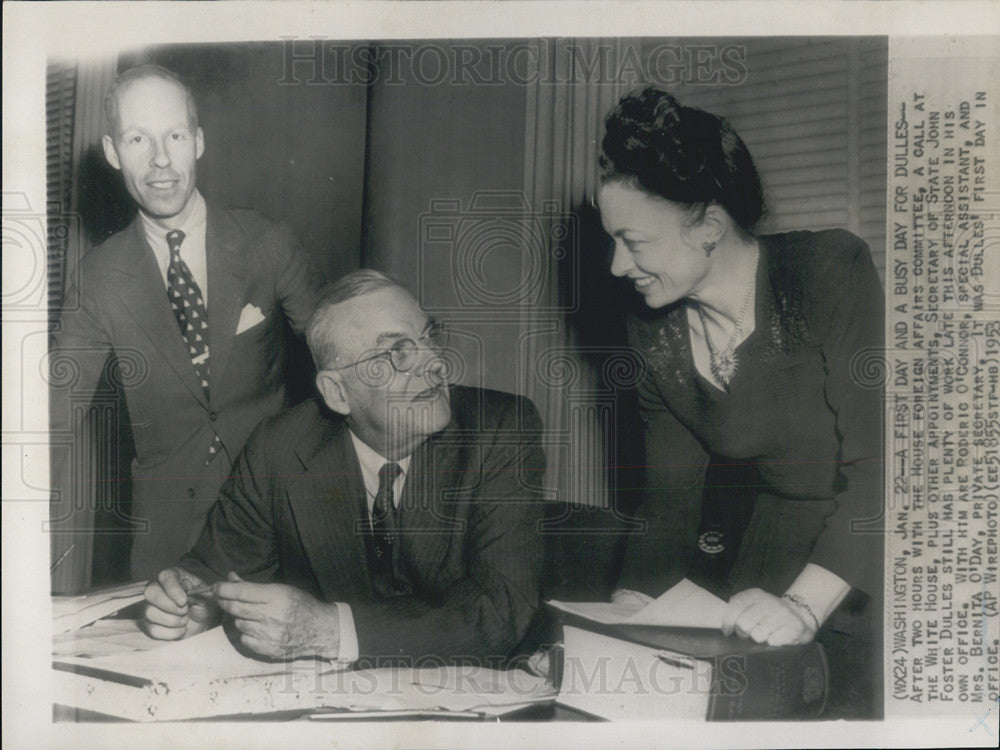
<point>813,114</point>
<point>60,89</point>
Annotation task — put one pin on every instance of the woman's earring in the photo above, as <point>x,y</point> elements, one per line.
<point>708,247</point>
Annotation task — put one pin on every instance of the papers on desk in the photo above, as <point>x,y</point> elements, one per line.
<point>206,657</point>
<point>104,637</point>
<point>686,605</point>
<point>205,676</point>
<point>111,667</point>
<point>435,692</point>
<point>71,612</point>
<point>196,677</point>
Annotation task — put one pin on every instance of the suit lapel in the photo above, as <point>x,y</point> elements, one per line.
<point>429,520</point>
<point>146,301</point>
<point>326,502</point>
<point>225,284</point>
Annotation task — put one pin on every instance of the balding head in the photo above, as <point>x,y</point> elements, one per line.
<point>142,73</point>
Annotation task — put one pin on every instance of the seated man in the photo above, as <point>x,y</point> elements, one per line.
<point>399,518</point>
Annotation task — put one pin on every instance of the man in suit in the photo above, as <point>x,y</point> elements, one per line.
<point>190,299</point>
<point>397,518</point>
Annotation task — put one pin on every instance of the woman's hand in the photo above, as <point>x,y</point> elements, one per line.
<point>766,618</point>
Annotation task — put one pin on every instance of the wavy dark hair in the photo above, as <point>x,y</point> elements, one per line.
<point>682,154</point>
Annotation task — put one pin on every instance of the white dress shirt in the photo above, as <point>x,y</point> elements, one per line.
<point>371,462</point>
<point>192,248</point>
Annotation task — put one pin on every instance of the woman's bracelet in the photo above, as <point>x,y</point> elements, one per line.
<point>799,602</point>
<point>636,596</point>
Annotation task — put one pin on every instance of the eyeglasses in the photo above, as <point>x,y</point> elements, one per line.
<point>403,354</point>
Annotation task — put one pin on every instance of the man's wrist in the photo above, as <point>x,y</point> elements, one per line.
<point>347,636</point>
<point>328,634</point>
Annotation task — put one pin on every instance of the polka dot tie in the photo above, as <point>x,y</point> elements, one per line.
<point>192,316</point>
<point>383,513</point>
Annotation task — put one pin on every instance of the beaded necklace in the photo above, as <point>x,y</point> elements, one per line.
<point>723,362</point>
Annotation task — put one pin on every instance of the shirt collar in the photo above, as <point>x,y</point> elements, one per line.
<point>194,223</point>
<point>372,461</point>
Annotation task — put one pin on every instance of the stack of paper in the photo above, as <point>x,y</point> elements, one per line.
<point>686,605</point>
<point>200,676</point>
<point>205,676</point>
<point>71,612</point>
<point>453,689</point>
<point>104,637</point>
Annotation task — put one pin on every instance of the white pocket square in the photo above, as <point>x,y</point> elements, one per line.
<point>250,317</point>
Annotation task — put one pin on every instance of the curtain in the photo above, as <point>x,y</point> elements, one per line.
<point>75,124</point>
<point>574,382</point>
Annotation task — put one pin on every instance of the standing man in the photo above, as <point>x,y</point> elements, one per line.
<point>397,518</point>
<point>194,297</point>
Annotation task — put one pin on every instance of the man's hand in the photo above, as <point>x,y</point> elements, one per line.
<point>766,618</point>
<point>279,621</point>
<point>170,613</point>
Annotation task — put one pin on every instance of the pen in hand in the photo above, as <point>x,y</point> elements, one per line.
<point>204,591</point>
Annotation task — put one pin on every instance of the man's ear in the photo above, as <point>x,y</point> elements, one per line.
<point>330,385</point>
<point>199,143</point>
<point>109,152</point>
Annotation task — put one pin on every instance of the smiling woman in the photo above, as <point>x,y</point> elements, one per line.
<point>761,450</point>
<point>654,247</point>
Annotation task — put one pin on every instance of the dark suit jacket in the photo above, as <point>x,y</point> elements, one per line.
<point>294,511</point>
<point>120,307</point>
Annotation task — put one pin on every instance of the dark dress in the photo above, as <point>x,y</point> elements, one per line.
<point>786,465</point>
